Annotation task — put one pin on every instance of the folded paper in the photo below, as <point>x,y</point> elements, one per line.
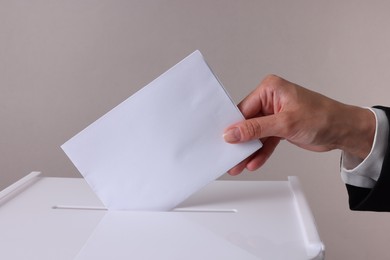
<point>162,144</point>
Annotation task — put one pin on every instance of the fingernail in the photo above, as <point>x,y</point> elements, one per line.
<point>232,135</point>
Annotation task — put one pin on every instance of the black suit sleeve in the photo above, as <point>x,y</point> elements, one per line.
<point>377,198</point>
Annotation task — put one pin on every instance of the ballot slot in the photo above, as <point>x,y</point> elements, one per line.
<point>184,210</point>
<point>205,210</point>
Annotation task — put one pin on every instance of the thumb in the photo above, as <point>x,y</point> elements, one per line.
<point>254,128</point>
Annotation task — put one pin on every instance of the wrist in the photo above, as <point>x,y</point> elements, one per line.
<point>358,131</point>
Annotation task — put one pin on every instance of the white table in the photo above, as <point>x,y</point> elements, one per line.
<point>61,218</point>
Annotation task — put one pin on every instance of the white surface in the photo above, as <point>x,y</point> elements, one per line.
<point>163,143</point>
<point>162,235</point>
<point>32,230</point>
<point>266,225</point>
<point>314,247</point>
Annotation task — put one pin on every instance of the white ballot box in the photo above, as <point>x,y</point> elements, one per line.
<point>61,218</point>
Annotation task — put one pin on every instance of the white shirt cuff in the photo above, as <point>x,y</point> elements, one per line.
<point>366,173</point>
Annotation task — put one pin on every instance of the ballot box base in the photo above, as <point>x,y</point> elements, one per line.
<point>61,218</point>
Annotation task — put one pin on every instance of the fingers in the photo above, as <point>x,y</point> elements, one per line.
<point>256,160</point>
<point>261,101</point>
<point>261,156</point>
<point>262,110</point>
<point>255,128</point>
<point>251,105</point>
<point>239,167</point>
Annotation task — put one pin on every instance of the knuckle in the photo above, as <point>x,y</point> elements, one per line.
<point>252,129</point>
<point>273,83</point>
<point>272,79</point>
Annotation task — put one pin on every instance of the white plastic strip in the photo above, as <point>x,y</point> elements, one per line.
<point>205,210</point>
<point>78,207</point>
<point>18,184</point>
<point>314,245</point>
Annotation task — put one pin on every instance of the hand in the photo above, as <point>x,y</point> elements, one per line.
<point>278,109</point>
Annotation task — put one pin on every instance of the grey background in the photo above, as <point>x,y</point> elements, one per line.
<point>65,63</point>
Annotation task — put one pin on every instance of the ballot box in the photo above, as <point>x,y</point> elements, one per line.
<point>61,218</point>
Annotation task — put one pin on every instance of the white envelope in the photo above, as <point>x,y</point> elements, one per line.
<point>163,143</point>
